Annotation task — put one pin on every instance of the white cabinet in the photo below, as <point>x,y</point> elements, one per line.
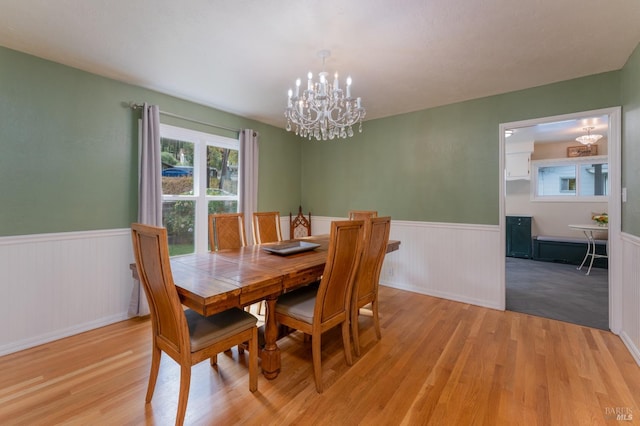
<point>518,160</point>
<point>518,165</point>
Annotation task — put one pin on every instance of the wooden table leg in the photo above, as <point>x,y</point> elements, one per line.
<point>271,353</point>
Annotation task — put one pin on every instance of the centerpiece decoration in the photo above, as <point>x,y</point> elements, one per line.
<point>601,219</point>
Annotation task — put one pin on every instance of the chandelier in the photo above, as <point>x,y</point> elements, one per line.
<point>323,110</point>
<point>588,139</point>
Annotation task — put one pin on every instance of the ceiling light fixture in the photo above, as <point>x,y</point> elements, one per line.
<point>323,110</point>
<point>588,139</point>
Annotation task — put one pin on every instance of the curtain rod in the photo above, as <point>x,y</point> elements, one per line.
<point>170,114</point>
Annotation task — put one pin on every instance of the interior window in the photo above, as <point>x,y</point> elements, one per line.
<point>595,179</point>
<point>570,180</point>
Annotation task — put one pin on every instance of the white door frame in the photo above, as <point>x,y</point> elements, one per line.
<point>614,206</point>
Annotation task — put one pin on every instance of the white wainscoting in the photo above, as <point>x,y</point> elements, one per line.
<point>630,333</point>
<point>462,263</point>
<point>57,285</point>
<point>452,261</point>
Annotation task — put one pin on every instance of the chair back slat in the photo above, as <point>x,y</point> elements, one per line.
<point>376,237</point>
<point>151,252</point>
<point>266,227</point>
<point>226,231</point>
<point>335,290</point>
<point>362,214</point>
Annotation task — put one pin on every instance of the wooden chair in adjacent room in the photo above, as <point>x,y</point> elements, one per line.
<point>362,214</point>
<point>226,231</point>
<point>314,310</point>
<point>299,226</point>
<point>185,335</point>
<point>365,288</point>
<point>266,227</point>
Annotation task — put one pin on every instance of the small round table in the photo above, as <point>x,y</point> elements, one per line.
<point>588,231</point>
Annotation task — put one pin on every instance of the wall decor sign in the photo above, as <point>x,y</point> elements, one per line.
<point>582,151</point>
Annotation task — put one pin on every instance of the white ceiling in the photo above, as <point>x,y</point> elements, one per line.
<point>560,131</point>
<point>242,56</point>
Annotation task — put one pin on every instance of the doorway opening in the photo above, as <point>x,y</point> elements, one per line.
<point>551,188</point>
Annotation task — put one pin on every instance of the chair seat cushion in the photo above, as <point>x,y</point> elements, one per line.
<point>204,331</point>
<point>298,304</point>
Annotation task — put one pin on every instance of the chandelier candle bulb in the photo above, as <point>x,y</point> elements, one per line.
<point>348,87</point>
<point>336,84</point>
<point>297,87</point>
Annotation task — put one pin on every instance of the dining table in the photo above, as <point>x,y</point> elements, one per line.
<point>216,281</point>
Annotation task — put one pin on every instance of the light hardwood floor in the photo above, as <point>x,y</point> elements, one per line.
<point>439,362</point>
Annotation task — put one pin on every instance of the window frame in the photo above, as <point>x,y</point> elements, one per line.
<point>201,141</point>
<point>570,198</point>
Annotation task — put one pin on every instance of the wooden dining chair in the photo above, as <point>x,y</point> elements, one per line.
<point>299,226</point>
<point>186,336</point>
<point>362,214</point>
<point>365,288</point>
<point>266,227</point>
<point>314,310</point>
<point>226,231</point>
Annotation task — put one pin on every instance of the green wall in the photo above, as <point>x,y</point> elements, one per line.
<point>68,148</point>
<point>631,143</point>
<point>439,164</point>
<point>68,151</point>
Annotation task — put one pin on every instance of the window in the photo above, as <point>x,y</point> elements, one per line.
<point>585,179</point>
<point>568,185</point>
<point>199,176</point>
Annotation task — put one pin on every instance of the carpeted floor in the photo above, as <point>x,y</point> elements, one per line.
<point>558,291</point>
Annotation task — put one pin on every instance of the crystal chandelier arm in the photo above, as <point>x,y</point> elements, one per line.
<point>346,119</point>
<point>300,118</point>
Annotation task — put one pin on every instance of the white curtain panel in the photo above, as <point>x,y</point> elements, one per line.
<point>249,178</point>
<point>150,168</point>
<point>149,189</point>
